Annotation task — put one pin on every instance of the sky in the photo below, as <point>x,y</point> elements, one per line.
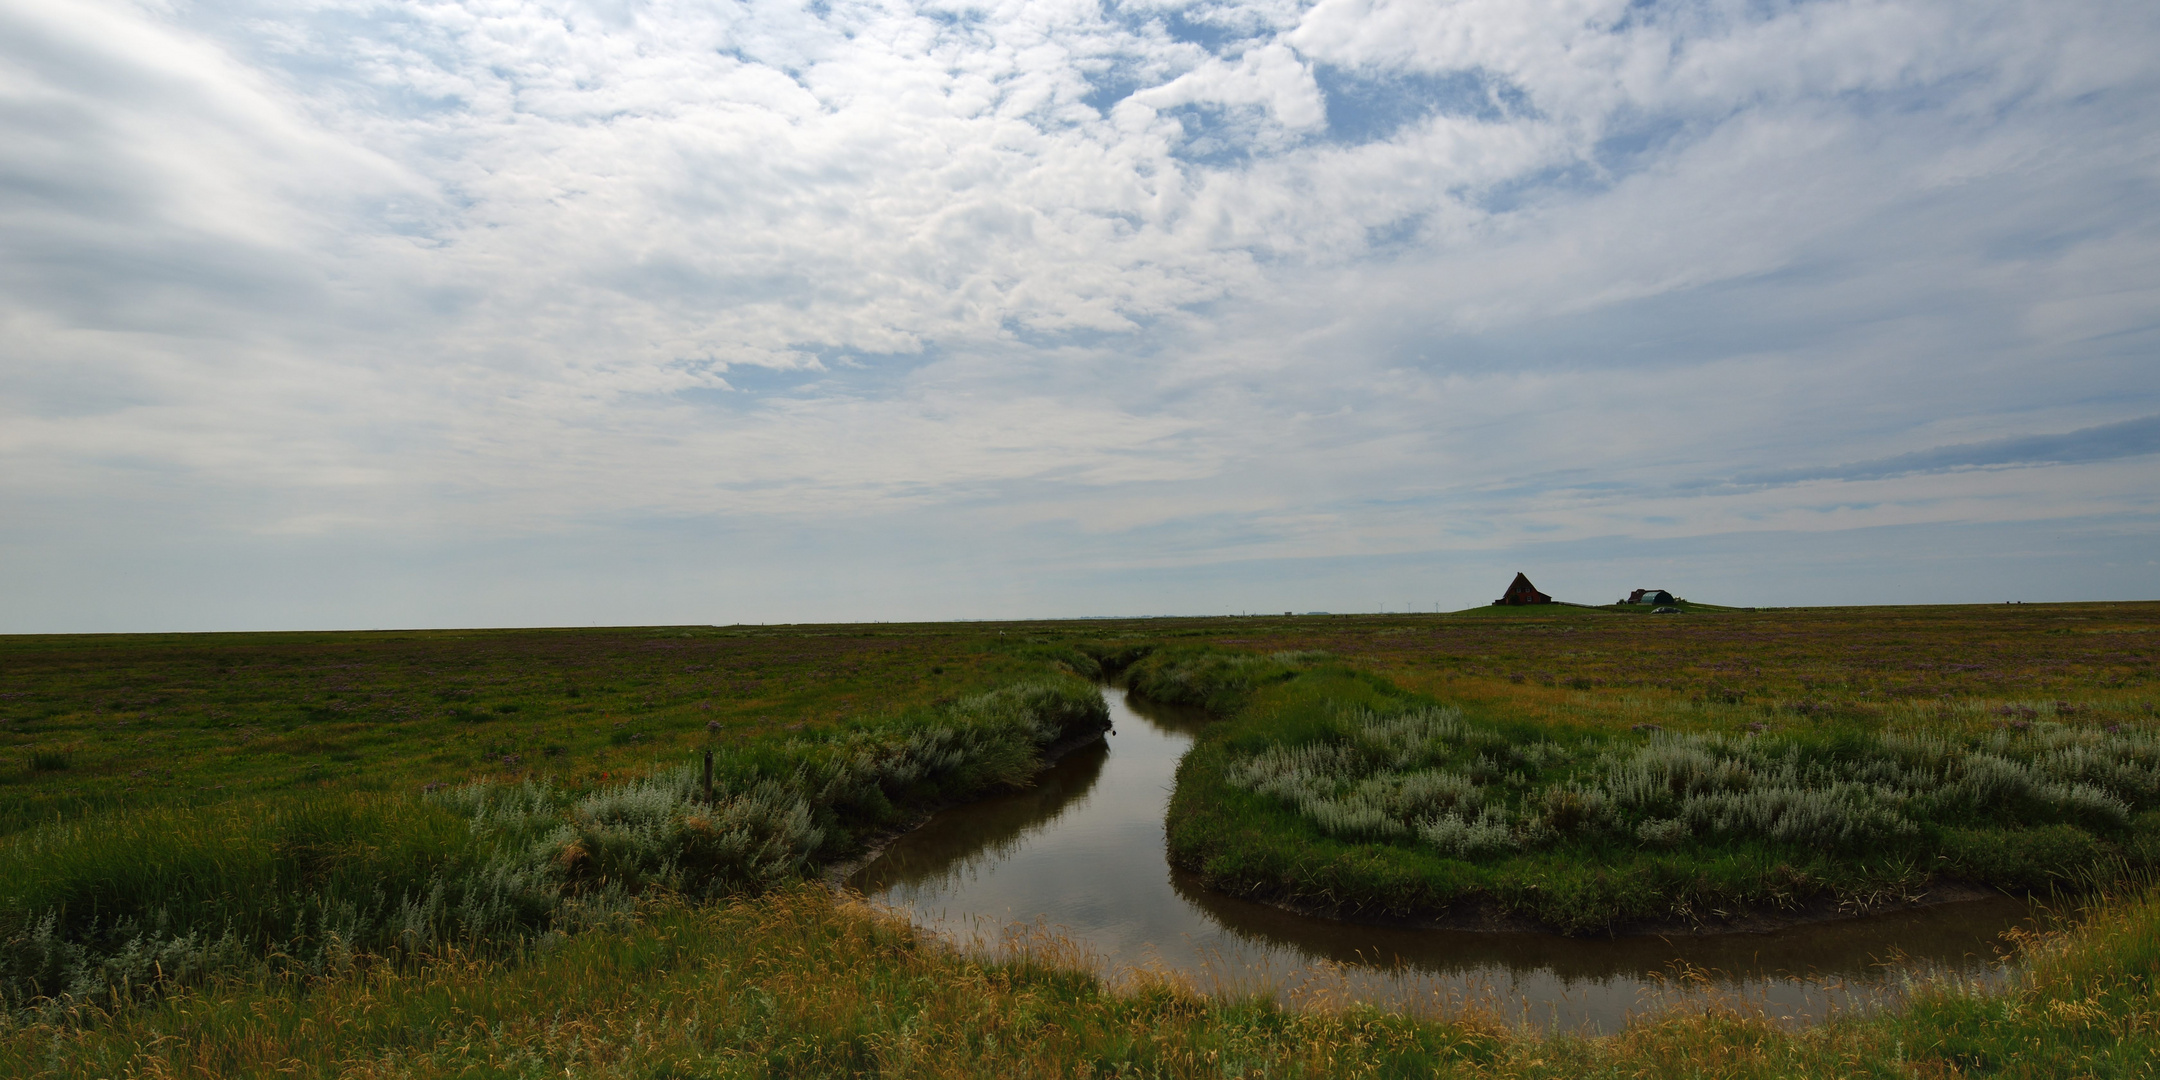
<point>375,313</point>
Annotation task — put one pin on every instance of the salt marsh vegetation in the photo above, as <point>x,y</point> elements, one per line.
<point>143,903</point>
<point>1362,781</point>
<point>488,852</point>
<point>1467,790</point>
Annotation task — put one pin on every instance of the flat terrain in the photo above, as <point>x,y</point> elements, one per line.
<point>593,915</point>
<point>123,720</point>
<point>91,722</point>
<point>1598,666</point>
<point>1597,769</point>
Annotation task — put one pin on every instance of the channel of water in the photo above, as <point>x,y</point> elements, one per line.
<point>1080,856</point>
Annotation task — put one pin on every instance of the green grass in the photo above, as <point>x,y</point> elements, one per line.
<point>147,901</point>
<point>486,853</point>
<point>91,723</point>
<point>1333,789</point>
<point>797,983</point>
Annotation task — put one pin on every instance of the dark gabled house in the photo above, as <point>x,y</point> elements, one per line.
<point>1522,592</point>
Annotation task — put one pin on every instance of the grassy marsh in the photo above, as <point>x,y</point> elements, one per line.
<point>797,983</point>
<point>290,785</point>
<point>1333,789</point>
<point>114,904</point>
<point>112,722</point>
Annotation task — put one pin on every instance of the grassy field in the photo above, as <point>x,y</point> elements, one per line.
<point>176,822</point>
<point>797,984</point>
<point>94,721</point>
<point>488,854</point>
<point>1584,768</point>
<point>97,722</point>
<point>1334,789</point>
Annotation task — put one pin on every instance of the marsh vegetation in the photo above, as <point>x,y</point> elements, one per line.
<point>1335,789</point>
<point>143,903</point>
<point>490,853</point>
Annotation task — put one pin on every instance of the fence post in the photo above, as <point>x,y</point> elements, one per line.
<point>708,778</point>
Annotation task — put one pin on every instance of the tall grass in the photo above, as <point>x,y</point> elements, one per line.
<point>112,907</point>
<point>99,909</point>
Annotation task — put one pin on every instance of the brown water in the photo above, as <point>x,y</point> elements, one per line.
<point>1081,854</point>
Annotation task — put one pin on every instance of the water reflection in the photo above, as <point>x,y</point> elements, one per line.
<point>958,843</point>
<point>1082,852</point>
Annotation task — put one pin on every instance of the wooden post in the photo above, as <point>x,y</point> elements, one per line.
<point>708,778</point>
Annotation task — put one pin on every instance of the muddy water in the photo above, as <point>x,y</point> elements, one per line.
<point>1081,854</point>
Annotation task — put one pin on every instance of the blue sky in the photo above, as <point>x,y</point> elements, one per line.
<point>348,314</point>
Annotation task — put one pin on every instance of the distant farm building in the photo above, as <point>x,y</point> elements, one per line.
<point>1522,592</point>
<point>1649,596</point>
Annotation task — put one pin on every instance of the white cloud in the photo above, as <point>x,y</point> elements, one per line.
<point>1060,274</point>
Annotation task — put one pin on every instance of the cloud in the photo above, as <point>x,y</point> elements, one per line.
<point>1060,283</point>
<point>2103,442</point>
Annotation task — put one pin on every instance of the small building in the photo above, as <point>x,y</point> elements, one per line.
<point>1522,592</point>
<point>1649,596</point>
